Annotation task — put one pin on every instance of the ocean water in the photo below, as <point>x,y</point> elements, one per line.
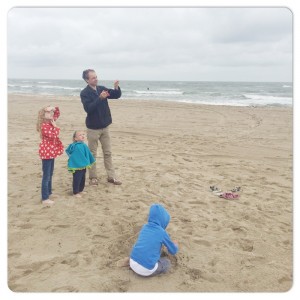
<point>201,92</point>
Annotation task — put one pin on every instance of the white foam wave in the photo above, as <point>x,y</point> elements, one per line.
<point>264,97</point>
<point>214,103</point>
<point>59,87</point>
<point>169,92</point>
<point>265,100</point>
<point>20,86</point>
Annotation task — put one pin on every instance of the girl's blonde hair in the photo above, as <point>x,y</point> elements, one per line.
<point>40,119</point>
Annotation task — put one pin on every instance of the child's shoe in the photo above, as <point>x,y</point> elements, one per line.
<point>47,202</point>
<point>94,181</point>
<point>53,197</point>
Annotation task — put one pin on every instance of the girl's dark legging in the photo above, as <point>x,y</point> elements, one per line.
<point>78,181</point>
<point>47,167</point>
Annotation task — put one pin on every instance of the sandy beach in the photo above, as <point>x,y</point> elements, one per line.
<point>168,153</point>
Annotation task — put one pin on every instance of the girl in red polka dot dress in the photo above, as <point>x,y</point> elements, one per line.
<point>50,148</point>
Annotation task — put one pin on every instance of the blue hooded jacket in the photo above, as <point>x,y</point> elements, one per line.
<point>147,249</point>
<point>80,156</point>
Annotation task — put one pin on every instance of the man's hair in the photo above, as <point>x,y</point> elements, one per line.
<point>85,74</point>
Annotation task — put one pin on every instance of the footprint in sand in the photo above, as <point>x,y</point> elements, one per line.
<point>115,285</point>
<point>99,237</point>
<point>123,262</point>
<point>185,220</point>
<point>197,202</point>
<point>202,242</point>
<point>66,288</point>
<point>194,273</point>
<point>14,254</point>
<point>246,245</point>
<point>285,279</point>
<point>72,262</point>
<point>17,288</point>
<point>240,230</point>
<point>56,228</point>
<point>26,226</point>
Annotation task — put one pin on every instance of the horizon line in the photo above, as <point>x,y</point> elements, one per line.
<point>150,80</point>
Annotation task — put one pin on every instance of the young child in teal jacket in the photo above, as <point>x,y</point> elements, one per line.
<point>80,158</point>
<point>145,257</point>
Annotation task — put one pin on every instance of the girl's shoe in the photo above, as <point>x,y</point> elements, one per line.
<point>47,202</point>
<point>94,181</point>
<point>53,197</point>
<point>77,195</point>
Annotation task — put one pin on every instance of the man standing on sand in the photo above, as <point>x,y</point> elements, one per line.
<point>94,100</point>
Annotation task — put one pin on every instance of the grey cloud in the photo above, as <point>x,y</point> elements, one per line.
<point>147,43</point>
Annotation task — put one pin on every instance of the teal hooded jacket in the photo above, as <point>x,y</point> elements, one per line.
<point>147,249</point>
<point>80,156</point>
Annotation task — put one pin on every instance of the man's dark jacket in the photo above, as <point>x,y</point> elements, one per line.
<point>98,112</point>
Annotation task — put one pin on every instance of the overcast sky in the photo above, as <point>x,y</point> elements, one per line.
<point>207,44</point>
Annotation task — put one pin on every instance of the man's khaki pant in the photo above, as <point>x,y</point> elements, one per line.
<point>102,135</point>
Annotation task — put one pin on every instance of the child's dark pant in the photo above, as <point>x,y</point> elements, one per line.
<point>48,167</point>
<point>164,266</point>
<point>78,181</point>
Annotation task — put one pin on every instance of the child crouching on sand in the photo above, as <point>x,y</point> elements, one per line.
<point>145,257</point>
<point>80,158</point>
<point>50,147</point>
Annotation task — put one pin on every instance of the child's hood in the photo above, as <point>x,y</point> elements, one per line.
<point>71,148</point>
<point>159,215</point>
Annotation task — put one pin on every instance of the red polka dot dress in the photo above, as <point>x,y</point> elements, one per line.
<point>50,146</point>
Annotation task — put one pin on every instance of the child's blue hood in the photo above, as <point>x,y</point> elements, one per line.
<point>71,148</point>
<point>159,215</point>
